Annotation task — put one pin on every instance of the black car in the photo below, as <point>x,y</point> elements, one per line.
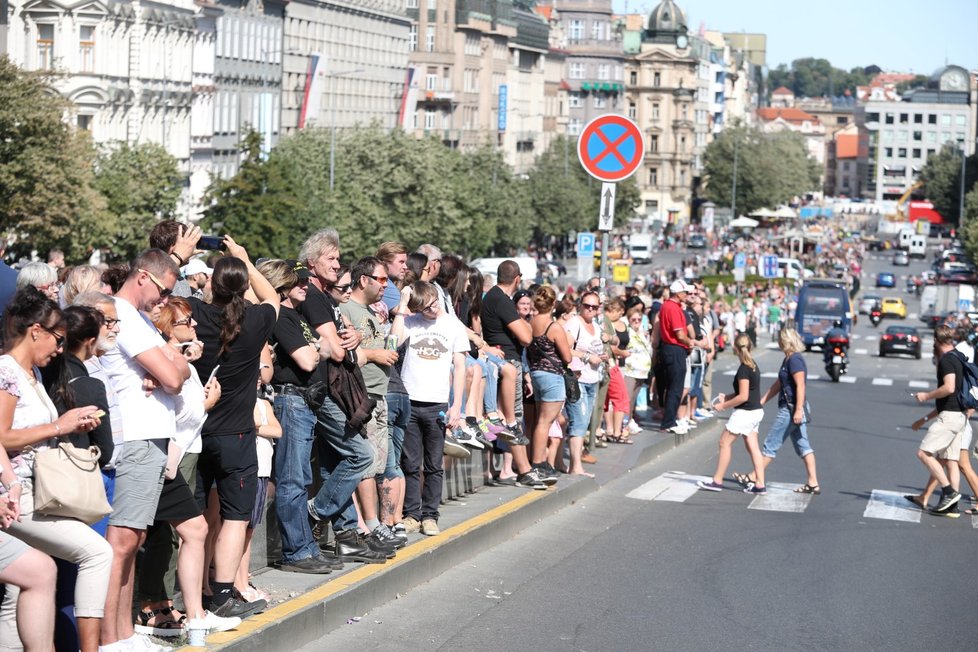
<point>901,339</point>
<point>696,241</point>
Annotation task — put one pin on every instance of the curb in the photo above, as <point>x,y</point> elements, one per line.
<point>310,616</point>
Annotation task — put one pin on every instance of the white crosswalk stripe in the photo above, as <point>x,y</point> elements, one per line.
<point>892,506</point>
<point>673,487</point>
<point>919,384</point>
<point>814,377</point>
<point>871,338</point>
<point>781,497</point>
<point>861,351</point>
<point>848,379</point>
<point>769,374</point>
<point>884,382</point>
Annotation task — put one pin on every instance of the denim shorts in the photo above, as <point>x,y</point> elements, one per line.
<point>548,387</point>
<point>783,428</point>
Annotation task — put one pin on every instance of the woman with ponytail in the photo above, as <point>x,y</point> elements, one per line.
<point>233,329</point>
<point>744,421</point>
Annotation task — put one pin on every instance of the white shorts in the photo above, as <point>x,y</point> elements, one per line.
<point>744,422</point>
<point>966,437</point>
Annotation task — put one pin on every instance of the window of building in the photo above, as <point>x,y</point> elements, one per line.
<point>931,152</point>
<point>873,117</point>
<point>84,121</point>
<point>632,111</point>
<point>429,39</point>
<point>931,136</point>
<point>901,136</point>
<point>574,100</point>
<point>918,135</point>
<point>574,127</point>
<point>411,4</point>
<point>86,48</point>
<point>685,110</point>
<point>429,119</point>
<point>932,119</point>
<point>600,100</point>
<point>719,77</point>
<point>916,152</point>
<point>902,152</point>
<point>655,111</point>
<point>959,120</point>
<point>653,143</point>
<point>653,178</point>
<point>887,152</point>
<point>45,47</point>
<point>633,78</point>
<point>682,177</point>
<point>575,31</point>
<point>945,120</point>
<point>887,136</point>
<point>657,79</point>
<point>576,70</point>
<point>446,78</point>
<point>413,37</point>
<point>718,98</point>
<point>888,118</point>
<point>945,136</point>
<point>597,30</point>
<point>904,118</point>
<point>431,79</point>
<point>918,118</point>
<point>603,71</point>
<point>682,144</point>
<point>651,206</point>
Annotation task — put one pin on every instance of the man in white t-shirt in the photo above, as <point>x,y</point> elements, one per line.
<point>144,372</point>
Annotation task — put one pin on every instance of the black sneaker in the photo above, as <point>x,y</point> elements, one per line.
<point>236,607</point>
<point>454,449</point>
<point>531,480</point>
<point>384,534</point>
<point>399,533</point>
<point>349,545</point>
<point>377,544</point>
<point>952,512</point>
<point>948,498</point>
<point>511,434</point>
<point>548,475</point>
<point>310,565</point>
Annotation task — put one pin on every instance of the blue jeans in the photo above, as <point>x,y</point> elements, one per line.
<point>490,402</point>
<point>398,413</point>
<point>579,414</point>
<point>293,474</point>
<point>783,428</point>
<point>344,458</point>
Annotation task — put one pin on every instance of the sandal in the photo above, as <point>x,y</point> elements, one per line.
<point>971,511</point>
<point>624,439</point>
<point>162,628</point>
<point>743,480</point>
<point>916,501</point>
<point>807,489</point>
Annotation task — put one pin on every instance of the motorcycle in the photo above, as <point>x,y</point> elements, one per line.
<point>837,357</point>
<point>875,316</point>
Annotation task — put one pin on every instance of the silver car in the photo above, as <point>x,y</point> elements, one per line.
<point>901,258</point>
<point>867,302</point>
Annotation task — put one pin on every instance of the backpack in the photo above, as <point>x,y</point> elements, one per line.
<point>967,396</point>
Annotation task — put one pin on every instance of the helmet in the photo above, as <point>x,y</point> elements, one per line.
<point>837,323</point>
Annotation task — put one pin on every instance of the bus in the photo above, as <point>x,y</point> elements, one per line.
<point>821,302</point>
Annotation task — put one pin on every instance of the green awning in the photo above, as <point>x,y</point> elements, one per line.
<point>606,86</point>
<point>585,86</point>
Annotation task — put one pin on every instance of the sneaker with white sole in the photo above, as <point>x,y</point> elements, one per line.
<point>678,429</point>
<point>454,449</point>
<point>633,427</point>
<point>466,437</point>
<point>409,525</point>
<point>429,527</point>
<point>213,623</point>
<point>702,414</point>
<point>143,643</point>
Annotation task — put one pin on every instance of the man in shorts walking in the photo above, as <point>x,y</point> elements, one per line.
<point>942,443</point>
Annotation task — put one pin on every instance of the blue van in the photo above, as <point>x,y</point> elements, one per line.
<point>820,303</point>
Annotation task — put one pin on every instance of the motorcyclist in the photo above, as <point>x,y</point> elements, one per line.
<point>837,331</point>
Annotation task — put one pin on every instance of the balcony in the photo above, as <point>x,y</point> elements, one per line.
<point>436,97</point>
<point>602,6</point>
<point>682,124</point>
<point>607,86</point>
<point>580,46</point>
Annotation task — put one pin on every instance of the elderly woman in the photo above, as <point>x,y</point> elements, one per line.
<point>40,275</point>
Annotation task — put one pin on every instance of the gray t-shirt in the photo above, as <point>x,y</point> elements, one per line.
<point>363,320</point>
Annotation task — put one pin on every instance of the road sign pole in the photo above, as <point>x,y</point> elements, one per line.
<point>605,237</point>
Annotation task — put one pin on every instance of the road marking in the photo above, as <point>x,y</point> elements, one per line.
<point>771,345</point>
<point>855,336</point>
<point>847,379</point>
<point>673,487</point>
<point>769,374</point>
<point>781,497</point>
<point>730,372</point>
<point>814,377</point>
<point>862,351</point>
<point>871,338</point>
<point>885,382</point>
<point>891,506</point>
<point>912,315</point>
<point>919,384</point>
<point>974,522</point>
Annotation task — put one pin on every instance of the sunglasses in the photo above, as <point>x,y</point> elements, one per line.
<point>59,339</point>
<point>164,291</point>
<point>343,289</point>
<point>379,279</point>
<point>183,322</point>
<point>590,306</point>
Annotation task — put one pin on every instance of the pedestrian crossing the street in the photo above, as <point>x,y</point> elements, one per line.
<point>679,487</point>
<point>878,381</point>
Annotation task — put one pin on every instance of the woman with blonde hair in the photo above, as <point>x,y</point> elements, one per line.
<point>792,417</point>
<point>81,279</point>
<point>744,421</point>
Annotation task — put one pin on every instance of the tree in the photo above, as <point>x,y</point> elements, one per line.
<point>970,228</point>
<point>941,179</point>
<point>771,168</point>
<point>918,81</point>
<point>562,195</point>
<point>141,185</point>
<point>47,197</point>
<point>810,77</point>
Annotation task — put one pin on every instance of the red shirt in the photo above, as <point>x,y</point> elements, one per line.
<point>671,318</point>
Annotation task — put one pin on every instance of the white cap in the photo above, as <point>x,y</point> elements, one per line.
<point>196,266</point>
<point>679,286</point>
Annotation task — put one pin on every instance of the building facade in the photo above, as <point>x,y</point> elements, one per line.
<point>896,137</point>
<point>344,62</point>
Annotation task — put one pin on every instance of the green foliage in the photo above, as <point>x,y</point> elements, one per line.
<point>941,176</point>
<point>810,77</point>
<point>970,228</point>
<point>47,198</point>
<point>141,185</point>
<point>771,168</point>
<point>918,81</point>
<point>563,196</point>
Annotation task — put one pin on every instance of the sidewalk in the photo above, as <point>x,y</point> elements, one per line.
<point>474,518</point>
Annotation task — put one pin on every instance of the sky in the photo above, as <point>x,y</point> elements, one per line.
<point>916,36</point>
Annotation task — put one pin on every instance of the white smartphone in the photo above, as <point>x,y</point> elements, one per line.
<point>213,375</point>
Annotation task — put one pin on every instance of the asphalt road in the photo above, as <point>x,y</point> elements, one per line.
<point>648,563</point>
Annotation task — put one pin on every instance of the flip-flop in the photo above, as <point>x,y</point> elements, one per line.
<point>808,489</point>
<point>742,479</point>
<point>971,511</point>
<point>915,500</point>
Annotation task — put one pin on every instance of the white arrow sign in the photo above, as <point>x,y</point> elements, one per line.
<point>606,215</point>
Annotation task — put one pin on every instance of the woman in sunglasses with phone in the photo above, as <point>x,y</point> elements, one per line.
<point>343,289</point>
<point>34,334</point>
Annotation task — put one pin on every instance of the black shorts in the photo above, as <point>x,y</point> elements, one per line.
<point>177,502</point>
<point>231,463</point>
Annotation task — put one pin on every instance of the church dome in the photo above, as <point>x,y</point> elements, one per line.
<point>667,17</point>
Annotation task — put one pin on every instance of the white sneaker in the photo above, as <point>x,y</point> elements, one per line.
<point>634,428</point>
<point>678,429</point>
<point>213,623</point>
<point>143,643</point>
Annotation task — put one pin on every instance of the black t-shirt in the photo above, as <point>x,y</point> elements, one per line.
<point>497,311</point>
<point>695,320</point>
<point>319,308</point>
<point>238,373</point>
<point>949,364</point>
<point>754,387</point>
<point>291,333</point>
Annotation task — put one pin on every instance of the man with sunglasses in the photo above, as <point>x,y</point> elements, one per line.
<point>140,360</point>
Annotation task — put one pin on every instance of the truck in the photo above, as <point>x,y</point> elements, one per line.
<point>640,247</point>
<point>937,301</point>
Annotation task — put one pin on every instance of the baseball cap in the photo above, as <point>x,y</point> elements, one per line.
<point>299,268</point>
<point>679,286</point>
<point>196,266</point>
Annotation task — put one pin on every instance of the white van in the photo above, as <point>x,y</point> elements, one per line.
<point>528,266</point>
<point>791,268</point>
<point>904,237</point>
<point>917,247</point>
<point>640,247</point>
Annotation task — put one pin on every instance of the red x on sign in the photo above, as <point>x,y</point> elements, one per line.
<point>611,148</point>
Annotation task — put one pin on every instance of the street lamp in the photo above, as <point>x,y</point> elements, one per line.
<point>332,120</point>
